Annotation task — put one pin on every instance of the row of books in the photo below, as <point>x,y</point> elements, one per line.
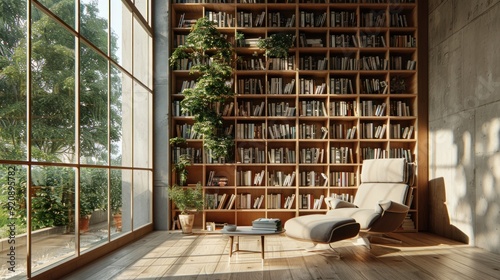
<point>341,155</point>
<point>399,132</point>
<point>373,19</point>
<point>247,108</point>
<point>370,131</point>
<point>342,179</point>
<point>313,179</point>
<point>219,201</point>
<point>310,201</point>
<point>250,131</point>
<point>312,108</point>
<point>278,178</point>
<point>275,86</point>
<point>343,131</point>
<point>310,19</point>
<point>310,62</point>
<point>220,18</point>
<point>281,109</point>
<point>397,63</point>
<point>278,19</point>
<point>250,178</point>
<point>342,108</point>
<point>251,155</point>
<point>374,86</point>
<point>281,155</point>
<point>250,63</point>
<point>193,154</point>
<point>312,155</point>
<point>287,63</point>
<point>368,108</point>
<point>312,131</point>
<point>282,131</point>
<point>343,19</point>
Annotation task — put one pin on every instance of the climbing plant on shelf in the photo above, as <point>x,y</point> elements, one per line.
<point>210,57</point>
<point>276,45</point>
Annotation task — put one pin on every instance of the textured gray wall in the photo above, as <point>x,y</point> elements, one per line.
<point>161,106</point>
<point>464,120</point>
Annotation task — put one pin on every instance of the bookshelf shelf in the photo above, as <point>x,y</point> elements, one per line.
<point>349,90</point>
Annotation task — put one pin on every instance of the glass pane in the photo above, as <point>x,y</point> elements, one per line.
<point>93,225</point>
<point>121,34</point>
<point>93,107</point>
<point>121,118</point>
<point>13,221</point>
<point>142,127</point>
<point>52,215</point>
<point>142,6</point>
<point>66,10</point>
<point>142,52</point>
<point>53,92</point>
<point>94,22</point>
<point>120,202</point>
<point>142,198</point>
<point>12,82</point>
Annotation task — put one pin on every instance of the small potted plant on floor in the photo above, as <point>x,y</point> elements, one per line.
<point>188,200</point>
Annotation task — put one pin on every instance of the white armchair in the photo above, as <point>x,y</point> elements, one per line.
<point>379,205</point>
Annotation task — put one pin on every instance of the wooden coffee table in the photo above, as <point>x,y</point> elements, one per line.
<point>247,231</point>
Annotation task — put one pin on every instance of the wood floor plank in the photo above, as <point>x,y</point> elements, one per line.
<point>173,255</point>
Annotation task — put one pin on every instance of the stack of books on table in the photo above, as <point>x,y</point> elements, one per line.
<point>269,224</point>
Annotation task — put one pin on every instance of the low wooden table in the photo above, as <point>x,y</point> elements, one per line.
<point>247,230</point>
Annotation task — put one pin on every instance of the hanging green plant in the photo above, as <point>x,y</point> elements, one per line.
<point>211,57</point>
<point>182,162</point>
<point>276,45</point>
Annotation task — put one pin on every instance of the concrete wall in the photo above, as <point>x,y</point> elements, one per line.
<point>464,121</point>
<point>161,106</point>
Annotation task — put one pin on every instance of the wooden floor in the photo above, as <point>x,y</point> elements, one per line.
<point>172,255</point>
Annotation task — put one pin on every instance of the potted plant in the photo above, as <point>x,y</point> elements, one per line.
<point>188,200</point>
<point>181,163</point>
<point>92,194</point>
<point>116,200</point>
<point>212,57</point>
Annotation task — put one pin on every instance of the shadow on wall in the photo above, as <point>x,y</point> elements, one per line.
<point>438,209</point>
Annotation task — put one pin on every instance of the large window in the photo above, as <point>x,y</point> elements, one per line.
<point>75,128</point>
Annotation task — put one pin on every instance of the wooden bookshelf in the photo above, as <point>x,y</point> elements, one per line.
<point>348,91</point>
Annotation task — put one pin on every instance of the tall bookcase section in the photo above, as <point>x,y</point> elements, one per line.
<point>304,124</point>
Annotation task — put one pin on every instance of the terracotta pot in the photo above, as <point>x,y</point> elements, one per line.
<point>84,224</point>
<point>117,218</point>
<point>186,222</point>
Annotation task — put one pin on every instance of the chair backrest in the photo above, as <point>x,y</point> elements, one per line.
<point>382,179</point>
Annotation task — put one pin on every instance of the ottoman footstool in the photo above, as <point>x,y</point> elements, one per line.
<point>319,228</point>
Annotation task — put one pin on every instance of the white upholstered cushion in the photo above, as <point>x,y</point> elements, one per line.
<point>370,194</point>
<point>383,170</point>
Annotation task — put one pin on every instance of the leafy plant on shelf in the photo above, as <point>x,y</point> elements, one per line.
<point>276,45</point>
<point>181,164</point>
<point>211,56</point>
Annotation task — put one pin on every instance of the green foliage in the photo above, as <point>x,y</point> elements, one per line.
<point>116,191</point>
<point>53,84</point>
<point>187,199</point>
<point>93,190</point>
<point>48,208</point>
<point>276,45</point>
<point>213,57</point>
<point>180,167</point>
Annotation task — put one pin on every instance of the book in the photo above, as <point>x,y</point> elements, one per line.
<point>271,224</point>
